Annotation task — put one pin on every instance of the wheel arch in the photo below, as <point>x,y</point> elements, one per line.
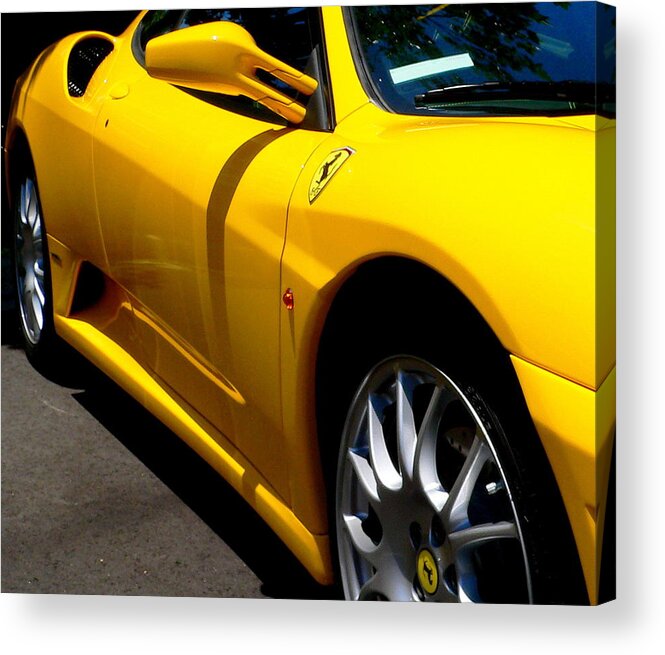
<point>393,289</point>
<point>412,299</point>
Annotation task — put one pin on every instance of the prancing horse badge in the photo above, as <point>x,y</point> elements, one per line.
<point>330,165</point>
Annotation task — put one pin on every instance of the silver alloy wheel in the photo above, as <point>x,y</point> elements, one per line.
<point>423,508</point>
<point>29,231</point>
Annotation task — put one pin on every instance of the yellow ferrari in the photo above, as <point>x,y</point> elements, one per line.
<point>361,260</point>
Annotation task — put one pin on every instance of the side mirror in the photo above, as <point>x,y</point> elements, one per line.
<point>222,57</point>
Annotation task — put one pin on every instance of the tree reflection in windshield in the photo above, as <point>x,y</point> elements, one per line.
<point>413,49</point>
<point>499,38</point>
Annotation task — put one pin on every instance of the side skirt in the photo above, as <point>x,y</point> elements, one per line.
<point>312,550</point>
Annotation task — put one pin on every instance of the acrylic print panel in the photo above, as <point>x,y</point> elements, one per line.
<point>317,303</point>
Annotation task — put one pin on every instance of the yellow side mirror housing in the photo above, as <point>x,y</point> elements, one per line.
<point>222,57</point>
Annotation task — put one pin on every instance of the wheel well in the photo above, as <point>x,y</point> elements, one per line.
<point>19,154</point>
<point>394,306</point>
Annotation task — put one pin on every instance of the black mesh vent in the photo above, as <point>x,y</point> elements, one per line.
<point>90,287</point>
<point>84,60</point>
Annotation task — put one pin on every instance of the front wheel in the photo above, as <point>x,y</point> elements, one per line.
<point>32,275</point>
<point>426,498</point>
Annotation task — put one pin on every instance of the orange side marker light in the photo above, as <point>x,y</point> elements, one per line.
<point>288,300</point>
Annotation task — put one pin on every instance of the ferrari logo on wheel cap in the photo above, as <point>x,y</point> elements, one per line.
<point>428,574</point>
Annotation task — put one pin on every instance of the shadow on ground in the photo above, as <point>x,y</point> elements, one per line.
<point>184,473</point>
<point>202,489</point>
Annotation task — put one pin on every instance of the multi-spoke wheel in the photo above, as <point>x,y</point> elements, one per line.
<point>32,274</point>
<point>424,508</point>
<point>29,252</point>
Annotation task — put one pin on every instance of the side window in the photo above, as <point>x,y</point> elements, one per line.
<point>156,23</point>
<point>290,34</point>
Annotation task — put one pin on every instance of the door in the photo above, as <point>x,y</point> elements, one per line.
<point>192,191</point>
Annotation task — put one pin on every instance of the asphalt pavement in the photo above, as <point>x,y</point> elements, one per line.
<point>98,497</point>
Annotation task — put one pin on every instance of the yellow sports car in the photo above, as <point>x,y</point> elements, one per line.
<point>360,259</point>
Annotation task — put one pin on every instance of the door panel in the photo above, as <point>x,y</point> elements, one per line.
<point>193,191</point>
<point>193,214</point>
<point>155,172</point>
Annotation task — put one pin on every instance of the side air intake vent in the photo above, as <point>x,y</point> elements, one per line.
<point>84,59</point>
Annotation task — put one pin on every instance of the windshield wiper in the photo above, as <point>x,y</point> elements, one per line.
<point>584,93</point>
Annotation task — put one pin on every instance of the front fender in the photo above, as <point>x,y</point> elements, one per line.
<point>505,209</point>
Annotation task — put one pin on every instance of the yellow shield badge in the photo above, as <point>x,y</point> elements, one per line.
<point>330,165</point>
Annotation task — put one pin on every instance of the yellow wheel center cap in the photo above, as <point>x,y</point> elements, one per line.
<point>428,574</point>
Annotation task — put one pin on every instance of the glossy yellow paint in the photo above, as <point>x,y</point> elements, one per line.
<point>188,221</point>
<point>207,170</point>
<point>222,57</point>
<point>577,427</point>
<point>548,238</point>
<point>75,117</point>
<point>551,247</point>
<point>347,91</point>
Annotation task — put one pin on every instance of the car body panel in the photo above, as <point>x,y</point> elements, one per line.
<point>219,214</point>
<point>508,296</point>
<point>45,85</point>
<point>206,210</point>
<point>577,427</point>
<point>552,248</point>
<point>347,91</point>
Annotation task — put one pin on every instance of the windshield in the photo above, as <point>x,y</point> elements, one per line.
<point>547,58</point>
